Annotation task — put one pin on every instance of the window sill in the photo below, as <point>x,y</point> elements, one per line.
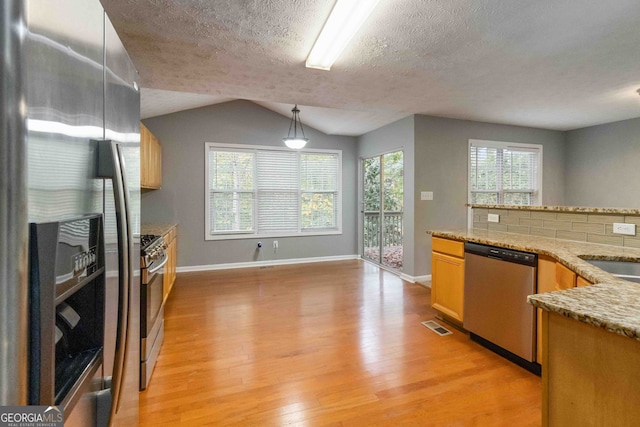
<point>268,236</point>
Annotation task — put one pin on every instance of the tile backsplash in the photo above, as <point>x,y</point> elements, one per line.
<point>578,226</point>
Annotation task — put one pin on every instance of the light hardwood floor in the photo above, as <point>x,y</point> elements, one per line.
<point>325,344</point>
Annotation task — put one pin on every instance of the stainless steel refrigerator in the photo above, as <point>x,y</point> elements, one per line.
<point>67,85</point>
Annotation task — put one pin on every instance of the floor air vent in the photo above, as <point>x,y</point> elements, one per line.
<point>437,328</point>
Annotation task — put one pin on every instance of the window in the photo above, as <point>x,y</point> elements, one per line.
<point>255,191</point>
<point>502,173</point>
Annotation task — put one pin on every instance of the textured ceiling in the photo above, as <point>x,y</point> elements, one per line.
<point>555,64</point>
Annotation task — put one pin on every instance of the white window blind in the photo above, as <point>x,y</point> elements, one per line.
<point>319,186</point>
<point>262,191</point>
<point>504,173</point>
<point>278,203</point>
<point>231,195</point>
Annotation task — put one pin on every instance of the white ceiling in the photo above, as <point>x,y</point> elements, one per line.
<point>555,64</point>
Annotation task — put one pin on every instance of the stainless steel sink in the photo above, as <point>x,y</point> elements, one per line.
<point>627,270</point>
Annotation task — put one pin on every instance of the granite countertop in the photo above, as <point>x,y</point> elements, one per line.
<point>611,303</point>
<point>157,229</point>
<point>577,209</point>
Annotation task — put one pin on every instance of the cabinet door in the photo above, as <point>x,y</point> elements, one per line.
<point>156,163</point>
<point>170,266</point>
<point>565,278</point>
<point>581,281</point>
<point>546,283</point>
<point>144,156</point>
<point>174,260</point>
<point>447,285</point>
<point>150,159</point>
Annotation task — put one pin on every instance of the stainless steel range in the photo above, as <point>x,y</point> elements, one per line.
<point>153,257</point>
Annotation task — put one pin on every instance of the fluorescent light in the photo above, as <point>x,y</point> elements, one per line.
<point>345,20</point>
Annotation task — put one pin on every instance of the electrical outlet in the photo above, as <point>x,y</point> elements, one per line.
<point>493,218</point>
<point>622,228</point>
<point>275,245</point>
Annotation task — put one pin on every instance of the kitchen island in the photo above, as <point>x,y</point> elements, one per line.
<point>590,335</point>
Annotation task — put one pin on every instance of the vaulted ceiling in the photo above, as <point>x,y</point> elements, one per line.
<point>554,64</point>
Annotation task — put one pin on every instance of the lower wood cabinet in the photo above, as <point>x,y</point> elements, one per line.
<point>581,281</point>
<point>447,282</point>
<point>546,283</point>
<point>171,238</point>
<point>591,377</point>
<point>447,278</point>
<point>565,278</point>
<point>553,276</point>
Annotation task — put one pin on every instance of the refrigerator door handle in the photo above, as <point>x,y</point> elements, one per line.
<point>14,235</point>
<point>111,166</point>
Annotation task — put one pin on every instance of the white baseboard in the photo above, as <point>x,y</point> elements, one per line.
<point>407,278</point>
<point>416,279</point>
<point>403,276</point>
<point>211,267</point>
<point>424,280</point>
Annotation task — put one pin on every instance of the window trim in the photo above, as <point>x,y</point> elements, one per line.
<point>235,235</point>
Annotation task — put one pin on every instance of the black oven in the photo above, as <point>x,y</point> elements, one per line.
<point>153,259</point>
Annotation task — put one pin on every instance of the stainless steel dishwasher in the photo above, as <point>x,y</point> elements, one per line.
<point>496,313</point>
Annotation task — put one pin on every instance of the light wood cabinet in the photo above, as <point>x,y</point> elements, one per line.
<point>171,238</point>
<point>552,276</point>
<point>591,378</point>
<point>447,278</point>
<point>565,278</point>
<point>150,159</point>
<point>546,283</point>
<point>581,281</point>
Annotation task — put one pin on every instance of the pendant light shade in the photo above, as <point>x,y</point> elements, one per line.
<point>295,142</point>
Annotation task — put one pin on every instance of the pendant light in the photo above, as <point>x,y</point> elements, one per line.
<point>295,142</point>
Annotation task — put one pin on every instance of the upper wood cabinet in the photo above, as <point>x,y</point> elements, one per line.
<point>150,159</point>
<point>447,277</point>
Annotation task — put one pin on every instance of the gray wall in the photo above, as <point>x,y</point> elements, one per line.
<point>394,137</point>
<point>441,150</point>
<point>603,165</point>
<point>181,199</point>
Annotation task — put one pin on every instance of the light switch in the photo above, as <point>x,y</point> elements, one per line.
<point>426,195</point>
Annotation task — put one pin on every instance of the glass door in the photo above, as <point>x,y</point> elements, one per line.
<point>382,209</point>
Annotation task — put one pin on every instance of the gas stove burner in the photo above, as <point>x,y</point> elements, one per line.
<point>152,248</point>
<point>147,239</point>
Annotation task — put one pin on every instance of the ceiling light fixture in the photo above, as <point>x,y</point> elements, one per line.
<point>295,142</point>
<point>345,20</point>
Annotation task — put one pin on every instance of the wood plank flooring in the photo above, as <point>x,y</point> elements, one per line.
<point>325,344</point>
